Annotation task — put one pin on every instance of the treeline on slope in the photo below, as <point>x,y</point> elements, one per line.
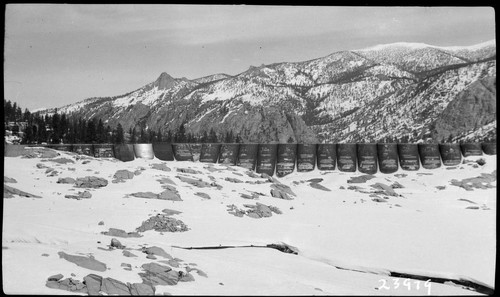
<point>60,128</point>
<point>13,112</point>
<point>180,136</point>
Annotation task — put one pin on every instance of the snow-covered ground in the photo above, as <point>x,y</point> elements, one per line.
<point>347,241</point>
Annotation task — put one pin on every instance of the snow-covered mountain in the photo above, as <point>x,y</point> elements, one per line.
<point>399,90</point>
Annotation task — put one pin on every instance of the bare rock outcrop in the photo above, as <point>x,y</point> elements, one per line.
<point>473,107</point>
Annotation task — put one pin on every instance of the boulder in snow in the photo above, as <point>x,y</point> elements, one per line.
<point>90,182</point>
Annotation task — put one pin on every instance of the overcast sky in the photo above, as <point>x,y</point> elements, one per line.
<point>56,54</point>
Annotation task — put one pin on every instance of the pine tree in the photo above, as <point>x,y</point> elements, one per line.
<point>180,136</point>
<point>26,115</point>
<point>159,137</point>
<point>81,132</point>
<point>119,135</point>
<point>212,136</point>
<point>108,133</point>
<point>63,130</point>
<point>7,108</point>
<point>12,115</point>
<point>133,137</point>
<point>18,114</point>
<point>56,129</point>
<point>204,137</point>
<point>35,133</point>
<point>73,127</point>
<point>42,133</point>
<point>189,138</point>
<point>151,136</point>
<point>169,137</point>
<point>229,137</point>
<point>91,136</point>
<point>28,135</point>
<point>143,138</point>
<point>100,132</point>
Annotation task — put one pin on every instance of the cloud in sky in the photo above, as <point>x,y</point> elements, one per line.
<point>106,50</point>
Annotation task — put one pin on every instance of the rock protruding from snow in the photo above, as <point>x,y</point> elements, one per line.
<point>66,180</point>
<point>480,182</point>
<point>141,289</point>
<point>85,262</point>
<point>122,175</point>
<point>115,243</point>
<point>158,251</point>
<point>285,248</point>
<point>316,185</point>
<point>163,223</point>
<point>128,254</point>
<point>62,160</point>
<point>90,182</point>
<point>170,212</point>
<point>38,152</point>
<point>147,195</point>
<point>156,274</point>
<point>68,284</point>
<point>195,182</point>
<point>9,192</point>
<point>55,278</point>
<point>120,233</point>
<point>93,283</point>
<point>114,287</point>
<point>170,193</point>
<point>202,195</point>
<point>188,170</point>
<point>360,179</point>
<point>80,195</point>
<point>279,190</point>
<point>385,189</point>
<point>256,211</point>
<point>9,180</point>
<point>161,166</point>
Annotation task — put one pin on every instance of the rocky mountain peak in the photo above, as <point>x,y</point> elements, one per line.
<point>164,81</point>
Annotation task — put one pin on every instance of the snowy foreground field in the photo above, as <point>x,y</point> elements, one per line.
<point>349,235</point>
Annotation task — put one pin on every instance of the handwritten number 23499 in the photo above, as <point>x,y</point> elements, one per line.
<point>415,285</point>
